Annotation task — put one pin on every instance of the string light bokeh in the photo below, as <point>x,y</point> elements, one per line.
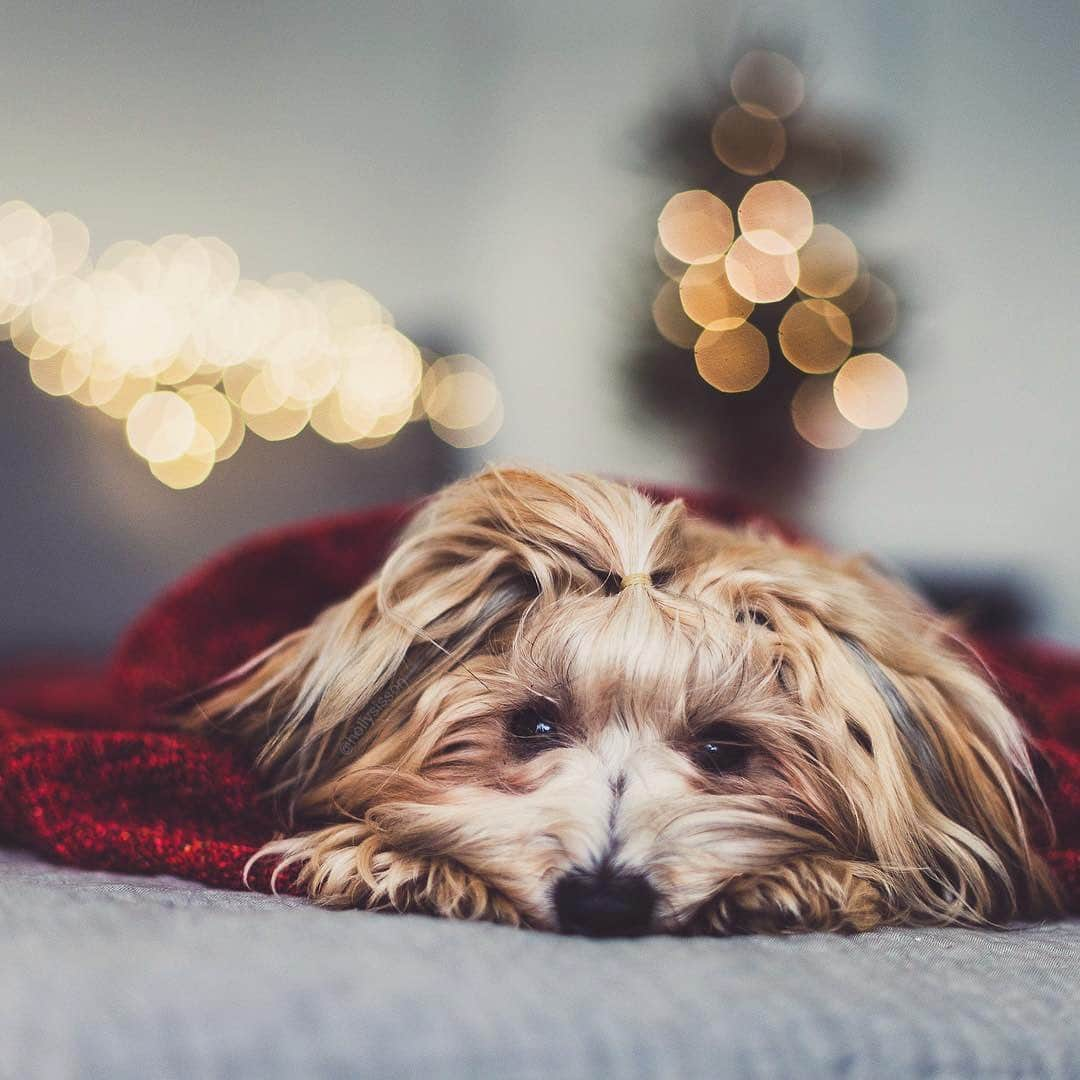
<point>723,264</point>
<point>169,340</point>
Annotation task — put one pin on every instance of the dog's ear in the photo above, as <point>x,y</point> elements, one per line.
<point>309,705</point>
<point>458,582</point>
<point>968,754</point>
<point>912,762</point>
<point>936,764</point>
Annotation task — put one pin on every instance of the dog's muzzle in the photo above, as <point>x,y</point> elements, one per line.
<point>604,904</point>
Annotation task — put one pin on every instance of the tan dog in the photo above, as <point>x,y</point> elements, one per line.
<point>560,705</point>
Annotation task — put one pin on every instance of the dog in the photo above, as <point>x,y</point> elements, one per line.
<point>561,705</point>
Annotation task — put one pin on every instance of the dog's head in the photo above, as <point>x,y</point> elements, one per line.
<point>563,705</point>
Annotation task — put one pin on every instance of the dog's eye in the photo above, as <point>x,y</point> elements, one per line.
<point>721,749</point>
<point>533,730</point>
<point>753,615</point>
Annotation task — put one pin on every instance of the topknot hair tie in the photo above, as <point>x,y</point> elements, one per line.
<point>636,579</point>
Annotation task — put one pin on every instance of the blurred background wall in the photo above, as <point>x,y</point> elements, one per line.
<point>481,168</point>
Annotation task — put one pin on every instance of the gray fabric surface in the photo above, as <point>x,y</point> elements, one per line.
<point>103,975</point>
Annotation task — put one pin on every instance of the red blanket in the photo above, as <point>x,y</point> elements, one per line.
<point>85,778</point>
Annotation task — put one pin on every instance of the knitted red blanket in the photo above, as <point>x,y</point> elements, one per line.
<point>86,778</point>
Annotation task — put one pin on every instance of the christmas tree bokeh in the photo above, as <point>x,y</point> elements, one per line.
<point>771,324</point>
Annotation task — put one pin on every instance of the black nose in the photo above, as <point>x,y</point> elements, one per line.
<point>604,904</point>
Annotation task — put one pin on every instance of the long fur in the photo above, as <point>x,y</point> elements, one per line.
<point>884,780</point>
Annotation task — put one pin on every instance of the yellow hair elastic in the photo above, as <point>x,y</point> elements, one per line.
<point>636,579</point>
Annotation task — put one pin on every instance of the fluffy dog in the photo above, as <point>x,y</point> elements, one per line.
<point>561,705</point>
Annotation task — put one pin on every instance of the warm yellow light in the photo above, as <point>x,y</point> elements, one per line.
<point>27,265</point>
<point>871,391</point>
<point>229,330</point>
<point>224,264</point>
<point>696,226</point>
<point>462,402</point>
<point>767,84</point>
<point>182,366</point>
<point>384,427</point>
<point>776,217</point>
<point>125,394</point>
<point>708,298</point>
<point>330,421</point>
<point>758,276</point>
<point>732,360</point>
<point>70,242</point>
<point>191,468</point>
<point>465,438</point>
<point>344,306</point>
<point>671,320</point>
<point>235,381</point>
<point>281,423</point>
<point>212,410</point>
<point>308,377</point>
<point>137,330</point>
<point>672,267</point>
<point>66,313</point>
<point>161,426</point>
<point>105,383</point>
<point>23,336</point>
<point>458,391</point>
<point>815,336</point>
<point>816,417</point>
<point>61,373</point>
<point>147,333</point>
<point>854,296</point>
<point>235,438</point>
<point>43,348</point>
<point>186,271</point>
<point>874,320</point>
<point>380,370</point>
<point>828,263</point>
<point>747,143</point>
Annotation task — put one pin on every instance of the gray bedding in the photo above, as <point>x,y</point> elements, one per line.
<point>103,975</point>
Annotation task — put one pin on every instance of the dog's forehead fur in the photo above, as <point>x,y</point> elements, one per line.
<point>636,663</point>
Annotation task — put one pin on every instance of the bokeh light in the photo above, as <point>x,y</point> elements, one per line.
<point>278,424</point>
<point>192,467</point>
<point>759,276</point>
<point>709,300</point>
<point>854,296</point>
<point>462,401</point>
<point>871,391</point>
<point>672,268</point>
<point>748,143</point>
<point>773,277</point>
<point>828,263</point>
<point>776,217</point>
<point>123,395</point>
<point>328,419</point>
<point>60,373</point>
<point>696,227</point>
<point>815,336</point>
<point>767,84</point>
<point>671,319</point>
<point>733,361</point>
<point>170,339</point>
<point>816,417</point>
<point>212,411</point>
<point>161,426</point>
<point>874,320</point>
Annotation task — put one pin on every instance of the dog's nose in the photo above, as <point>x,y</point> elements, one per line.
<point>604,904</point>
